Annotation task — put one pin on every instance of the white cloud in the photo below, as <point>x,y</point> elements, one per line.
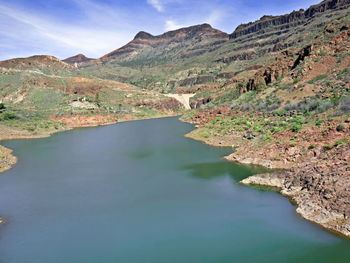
<point>172,25</point>
<point>60,39</point>
<point>157,4</point>
<point>215,17</point>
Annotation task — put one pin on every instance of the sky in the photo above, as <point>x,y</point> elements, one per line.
<point>63,28</point>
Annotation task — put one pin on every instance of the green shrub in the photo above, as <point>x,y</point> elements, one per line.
<point>312,146</point>
<point>266,136</point>
<point>319,122</point>
<point>339,143</point>
<point>340,128</point>
<point>277,129</point>
<point>295,81</point>
<point>258,128</point>
<point>8,116</point>
<point>295,127</point>
<point>317,78</point>
<point>328,147</point>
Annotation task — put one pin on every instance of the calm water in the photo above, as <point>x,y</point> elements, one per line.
<point>141,192</point>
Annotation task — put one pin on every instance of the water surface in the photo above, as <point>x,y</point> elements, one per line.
<point>141,192</point>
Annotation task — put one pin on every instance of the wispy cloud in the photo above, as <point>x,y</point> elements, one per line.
<point>157,4</point>
<point>172,25</point>
<point>63,39</point>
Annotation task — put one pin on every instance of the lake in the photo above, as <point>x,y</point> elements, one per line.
<point>140,192</point>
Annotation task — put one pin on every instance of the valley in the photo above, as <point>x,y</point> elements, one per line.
<point>276,90</point>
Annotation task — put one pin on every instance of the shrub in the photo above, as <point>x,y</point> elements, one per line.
<point>312,146</point>
<point>246,107</point>
<point>344,105</point>
<point>295,127</point>
<point>319,122</point>
<point>281,112</point>
<point>267,136</point>
<point>8,116</point>
<point>277,129</point>
<point>258,128</point>
<point>2,106</point>
<point>317,78</point>
<point>338,143</point>
<point>295,81</point>
<point>290,106</point>
<point>314,105</point>
<point>328,147</point>
<point>340,128</point>
<point>261,84</point>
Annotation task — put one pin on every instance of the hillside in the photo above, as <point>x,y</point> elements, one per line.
<point>41,95</point>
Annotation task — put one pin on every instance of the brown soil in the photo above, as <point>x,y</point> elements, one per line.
<point>79,121</point>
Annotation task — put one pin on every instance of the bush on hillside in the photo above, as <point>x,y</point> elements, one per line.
<point>7,116</point>
<point>344,106</point>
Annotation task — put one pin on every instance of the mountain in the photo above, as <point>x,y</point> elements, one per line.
<point>80,58</point>
<point>35,62</point>
<point>201,55</point>
<point>192,41</point>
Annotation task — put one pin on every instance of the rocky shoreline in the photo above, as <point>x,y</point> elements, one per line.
<point>320,188</point>
<point>316,180</point>
<point>7,160</point>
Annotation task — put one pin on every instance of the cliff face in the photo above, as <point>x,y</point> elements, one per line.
<point>279,23</point>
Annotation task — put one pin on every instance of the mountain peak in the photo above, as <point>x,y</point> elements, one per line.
<point>77,59</point>
<point>143,35</point>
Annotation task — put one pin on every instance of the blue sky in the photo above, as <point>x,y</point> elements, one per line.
<point>63,28</point>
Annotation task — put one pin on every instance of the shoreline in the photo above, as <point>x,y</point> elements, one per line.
<point>306,207</point>
<point>273,179</point>
<point>258,180</point>
<point>13,159</point>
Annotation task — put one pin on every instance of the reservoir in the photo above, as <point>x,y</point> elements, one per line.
<point>140,192</point>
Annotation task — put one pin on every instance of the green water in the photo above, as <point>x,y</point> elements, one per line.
<point>141,192</point>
